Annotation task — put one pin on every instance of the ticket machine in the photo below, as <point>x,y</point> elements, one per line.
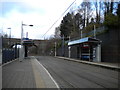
<point>97,53</point>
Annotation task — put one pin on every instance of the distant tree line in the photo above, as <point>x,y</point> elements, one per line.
<point>82,20</point>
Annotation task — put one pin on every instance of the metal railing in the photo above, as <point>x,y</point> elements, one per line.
<point>9,55</point>
<point>91,33</point>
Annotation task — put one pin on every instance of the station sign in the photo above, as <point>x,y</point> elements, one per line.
<point>27,42</point>
<point>85,45</point>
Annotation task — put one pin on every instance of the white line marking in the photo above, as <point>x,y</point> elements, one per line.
<point>48,74</point>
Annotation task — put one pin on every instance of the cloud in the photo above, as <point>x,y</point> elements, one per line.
<point>41,13</point>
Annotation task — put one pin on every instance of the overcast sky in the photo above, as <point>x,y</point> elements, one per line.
<point>41,13</point>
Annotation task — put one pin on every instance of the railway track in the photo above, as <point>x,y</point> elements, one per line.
<point>63,83</point>
<point>72,75</point>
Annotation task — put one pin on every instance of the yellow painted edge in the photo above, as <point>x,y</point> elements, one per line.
<point>38,80</point>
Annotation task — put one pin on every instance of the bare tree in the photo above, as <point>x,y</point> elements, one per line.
<point>97,14</point>
<point>57,32</point>
<point>86,12</point>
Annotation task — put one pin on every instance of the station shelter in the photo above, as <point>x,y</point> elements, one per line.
<point>27,43</point>
<point>87,49</point>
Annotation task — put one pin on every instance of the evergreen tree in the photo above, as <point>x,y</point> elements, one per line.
<point>78,22</point>
<point>66,26</point>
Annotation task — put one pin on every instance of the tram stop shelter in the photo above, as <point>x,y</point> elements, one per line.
<point>87,49</point>
<point>27,43</point>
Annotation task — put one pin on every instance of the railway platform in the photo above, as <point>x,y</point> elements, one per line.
<point>28,73</point>
<point>115,66</point>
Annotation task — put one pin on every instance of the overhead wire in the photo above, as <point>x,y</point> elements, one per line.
<point>59,18</point>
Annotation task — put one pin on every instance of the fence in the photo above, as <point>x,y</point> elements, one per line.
<point>91,33</point>
<point>98,30</point>
<point>9,55</point>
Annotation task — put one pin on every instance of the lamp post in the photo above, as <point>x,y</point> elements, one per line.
<point>81,34</point>
<point>94,32</point>
<point>22,47</point>
<point>9,36</point>
<point>69,48</point>
<point>55,49</point>
<point>63,46</point>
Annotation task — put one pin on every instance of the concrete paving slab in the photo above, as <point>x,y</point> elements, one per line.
<point>18,75</point>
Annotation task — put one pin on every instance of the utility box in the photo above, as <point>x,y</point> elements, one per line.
<point>97,53</point>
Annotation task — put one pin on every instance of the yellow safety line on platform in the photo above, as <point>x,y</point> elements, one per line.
<point>38,80</point>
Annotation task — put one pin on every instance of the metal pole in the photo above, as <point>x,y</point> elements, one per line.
<point>63,46</point>
<point>26,34</point>
<point>55,49</point>
<point>9,36</point>
<point>21,32</point>
<point>94,31</point>
<point>21,49</point>
<point>81,33</point>
<point>89,52</point>
<point>69,49</point>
